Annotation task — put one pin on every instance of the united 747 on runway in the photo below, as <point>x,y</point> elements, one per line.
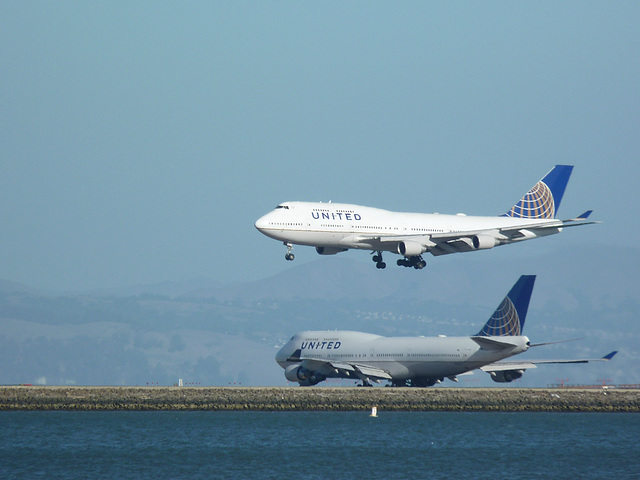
<point>313,356</point>
<point>335,227</point>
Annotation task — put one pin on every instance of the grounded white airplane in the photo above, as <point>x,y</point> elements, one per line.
<point>334,227</point>
<point>311,357</point>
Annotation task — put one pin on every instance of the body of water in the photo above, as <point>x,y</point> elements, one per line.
<point>318,445</point>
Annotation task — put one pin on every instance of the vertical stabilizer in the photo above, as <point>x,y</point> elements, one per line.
<point>543,200</point>
<point>508,319</point>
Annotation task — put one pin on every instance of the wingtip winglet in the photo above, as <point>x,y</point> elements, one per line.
<point>609,356</point>
<point>585,215</point>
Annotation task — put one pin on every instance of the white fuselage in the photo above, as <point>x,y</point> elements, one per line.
<point>401,357</point>
<point>354,226</point>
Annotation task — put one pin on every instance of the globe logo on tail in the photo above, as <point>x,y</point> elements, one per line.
<point>504,321</point>
<point>537,203</point>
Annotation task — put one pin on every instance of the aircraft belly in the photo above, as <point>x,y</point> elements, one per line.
<point>315,238</point>
<point>312,239</point>
<point>437,369</point>
<point>395,369</point>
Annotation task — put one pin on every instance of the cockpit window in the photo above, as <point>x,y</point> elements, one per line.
<point>282,206</point>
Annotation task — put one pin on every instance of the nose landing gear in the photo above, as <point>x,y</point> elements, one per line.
<point>289,256</point>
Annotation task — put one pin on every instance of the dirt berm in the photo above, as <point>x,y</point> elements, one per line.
<point>318,399</point>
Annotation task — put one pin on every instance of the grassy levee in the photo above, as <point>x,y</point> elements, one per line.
<point>78,398</point>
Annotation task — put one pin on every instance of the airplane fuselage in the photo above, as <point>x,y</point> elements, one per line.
<point>401,357</point>
<point>311,357</point>
<point>345,226</point>
<point>335,227</point>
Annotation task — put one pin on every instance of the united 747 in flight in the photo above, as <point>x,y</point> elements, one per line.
<point>312,357</point>
<point>334,227</point>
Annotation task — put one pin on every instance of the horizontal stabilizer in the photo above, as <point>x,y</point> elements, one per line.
<point>492,343</point>
<point>555,343</point>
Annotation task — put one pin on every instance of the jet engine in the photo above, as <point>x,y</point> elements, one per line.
<point>329,250</point>
<point>483,242</point>
<point>411,249</point>
<point>504,376</point>
<point>304,376</point>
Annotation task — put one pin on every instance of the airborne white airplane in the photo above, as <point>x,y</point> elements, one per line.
<point>311,357</point>
<point>334,227</point>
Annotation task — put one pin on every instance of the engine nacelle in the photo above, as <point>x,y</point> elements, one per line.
<point>483,242</point>
<point>304,376</point>
<point>329,250</point>
<point>505,376</point>
<point>411,249</point>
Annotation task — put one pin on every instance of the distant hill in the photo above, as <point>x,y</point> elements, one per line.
<point>210,333</point>
<point>168,289</point>
<point>568,273</point>
<point>9,287</point>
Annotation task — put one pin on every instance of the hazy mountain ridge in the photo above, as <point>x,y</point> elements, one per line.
<point>229,333</point>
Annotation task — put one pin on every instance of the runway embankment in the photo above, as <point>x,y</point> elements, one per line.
<point>318,399</point>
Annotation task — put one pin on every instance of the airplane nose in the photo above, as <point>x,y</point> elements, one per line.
<point>283,354</point>
<point>280,356</point>
<point>261,223</point>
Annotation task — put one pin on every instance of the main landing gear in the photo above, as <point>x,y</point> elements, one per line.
<point>416,262</point>
<point>289,256</point>
<point>400,383</point>
<point>421,382</point>
<point>378,259</point>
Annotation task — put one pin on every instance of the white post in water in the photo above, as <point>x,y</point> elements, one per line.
<point>374,412</point>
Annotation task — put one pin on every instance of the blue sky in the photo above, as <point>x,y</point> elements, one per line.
<point>140,141</point>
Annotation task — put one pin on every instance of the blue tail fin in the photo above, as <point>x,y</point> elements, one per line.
<point>508,319</point>
<point>543,200</point>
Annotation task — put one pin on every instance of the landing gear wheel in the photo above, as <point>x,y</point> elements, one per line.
<point>289,256</point>
<point>416,262</point>
<point>377,258</point>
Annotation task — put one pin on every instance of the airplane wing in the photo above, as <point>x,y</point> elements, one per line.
<point>354,369</point>
<point>503,366</point>
<point>523,365</point>
<point>466,241</point>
